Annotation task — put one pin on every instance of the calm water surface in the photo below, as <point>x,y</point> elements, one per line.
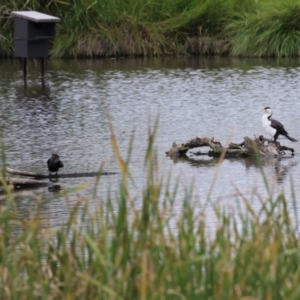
<point>218,97</point>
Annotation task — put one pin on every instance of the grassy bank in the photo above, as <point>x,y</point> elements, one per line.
<point>166,27</point>
<point>133,248</point>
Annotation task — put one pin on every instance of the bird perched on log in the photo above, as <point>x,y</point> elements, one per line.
<point>273,127</point>
<point>54,163</point>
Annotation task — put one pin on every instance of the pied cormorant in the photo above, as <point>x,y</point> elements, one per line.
<point>272,126</point>
<point>54,163</point>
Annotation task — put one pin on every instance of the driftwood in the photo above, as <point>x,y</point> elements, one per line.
<point>56,176</point>
<point>249,147</point>
<point>22,183</point>
<point>18,182</point>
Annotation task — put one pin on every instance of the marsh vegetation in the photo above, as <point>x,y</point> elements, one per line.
<point>167,27</point>
<point>149,249</point>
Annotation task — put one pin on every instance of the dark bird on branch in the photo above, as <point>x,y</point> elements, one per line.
<point>54,163</point>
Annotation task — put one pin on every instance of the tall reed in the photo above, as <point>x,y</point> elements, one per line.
<point>147,27</point>
<point>145,248</point>
<point>272,30</point>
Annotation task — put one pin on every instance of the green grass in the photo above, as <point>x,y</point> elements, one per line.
<point>272,31</point>
<point>167,27</point>
<point>148,248</point>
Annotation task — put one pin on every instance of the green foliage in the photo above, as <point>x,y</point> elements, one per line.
<point>149,27</point>
<point>160,247</point>
<point>272,30</point>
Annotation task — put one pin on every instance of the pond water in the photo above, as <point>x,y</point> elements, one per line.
<point>191,96</point>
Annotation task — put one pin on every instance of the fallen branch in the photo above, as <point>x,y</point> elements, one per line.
<point>51,176</point>
<point>249,147</point>
<point>21,183</point>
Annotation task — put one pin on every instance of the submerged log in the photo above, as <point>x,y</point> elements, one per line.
<point>18,182</point>
<point>21,183</point>
<point>249,147</point>
<point>55,176</point>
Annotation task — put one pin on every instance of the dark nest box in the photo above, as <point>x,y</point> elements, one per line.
<point>32,32</point>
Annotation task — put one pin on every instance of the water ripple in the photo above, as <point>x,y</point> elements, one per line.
<point>192,97</point>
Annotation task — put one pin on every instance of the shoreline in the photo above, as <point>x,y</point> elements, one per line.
<point>143,28</point>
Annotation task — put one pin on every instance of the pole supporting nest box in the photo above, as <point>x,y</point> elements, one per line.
<point>32,32</point>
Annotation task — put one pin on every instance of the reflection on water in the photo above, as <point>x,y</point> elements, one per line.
<point>220,97</point>
<point>282,165</point>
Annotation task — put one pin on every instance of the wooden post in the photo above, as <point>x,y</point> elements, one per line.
<point>25,67</point>
<point>42,67</point>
